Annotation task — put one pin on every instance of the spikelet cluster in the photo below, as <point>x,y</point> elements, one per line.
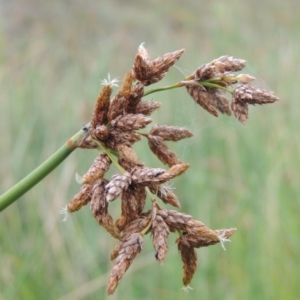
<point>116,125</point>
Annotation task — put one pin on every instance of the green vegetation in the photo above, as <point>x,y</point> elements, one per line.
<point>52,56</point>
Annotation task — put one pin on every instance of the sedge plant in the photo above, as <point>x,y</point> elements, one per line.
<point>120,121</point>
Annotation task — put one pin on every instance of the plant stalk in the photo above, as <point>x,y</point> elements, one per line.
<point>19,189</point>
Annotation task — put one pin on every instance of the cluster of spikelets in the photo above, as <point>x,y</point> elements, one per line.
<point>115,127</point>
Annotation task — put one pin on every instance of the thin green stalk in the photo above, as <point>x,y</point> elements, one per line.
<point>165,88</point>
<point>40,172</point>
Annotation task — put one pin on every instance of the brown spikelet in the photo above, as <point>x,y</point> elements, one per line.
<point>253,95</point>
<point>149,72</point>
<point>83,197</point>
<point>181,221</point>
<point>160,232</point>
<point>141,65</point>
<point>133,202</point>
<point>118,106</point>
<point>220,101</point>
<point>158,146</point>
<point>127,83</point>
<point>135,226</point>
<point>204,72</point>
<point>202,237</point>
<point>207,237</point>
<point>118,184</point>
<point>245,94</point>
<point>189,259</point>
<point>129,122</point>
<point>240,110</point>
<point>137,92</point>
<point>170,133</point>
<point>117,137</point>
<point>146,107</point>
<point>127,157</point>
<point>157,176</point>
<point>228,63</point>
<point>126,254</point>
<point>203,98</point>
<point>160,66</point>
<point>100,133</point>
<point>101,107</point>
<point>165,194</point>
<point>99,208</point>
<point>97,170</point>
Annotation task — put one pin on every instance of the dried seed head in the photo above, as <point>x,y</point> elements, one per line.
<point>127,83</point>
<point>101,107</point>
<point>100,133</point>
<point>240,110</point>
<point>133,202</point>
<point>99,167</point>
<point>160,232</point>
<point>229,64</point>
<point>146,107</point>
<point>126,254</point>
<point>118,184</point>
<point>202,238</point>
<point>83,197</point>
<point>204,72</point>
<point>203,98</point>
<point>245,94</point>
<point>158,146</point>
<point>180,221</point>
<point>145,176</point>
<point>253,95</point>
<point>157,176</point>
<point>129,122</point>
<point>118,106</point>
<point>189,259</point>
<point>127,157</point>
<point>165,194</point>
<point>160,66</point>
<point>135,226</point>
<point>220,101</point>
<point>137,92</point>
<point>117,137</point>
<point>170,133</point>
<point>99,208</point>
<point>148,72</point>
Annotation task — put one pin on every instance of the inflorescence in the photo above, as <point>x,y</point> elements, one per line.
<point>115,127</point>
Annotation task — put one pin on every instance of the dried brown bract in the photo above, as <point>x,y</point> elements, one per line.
<point>148,72</point>
<point>118,124</point>
<point>146,107</point>
<point>97,170</point>
<point>170,133</point>
<point>101,107</point>
<point>203,98</point>
<point>118,184</point>
<point>158,146</point>
<point>160,232</point>
<point>129,122</point>
<point>83,197</point>
<point>245,94</point>
<point>126,254</point>
<point>189,259</point>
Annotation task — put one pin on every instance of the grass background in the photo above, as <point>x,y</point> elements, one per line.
<point>52,56</point>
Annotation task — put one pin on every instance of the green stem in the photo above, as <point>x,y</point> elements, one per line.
<point>213,85</point>
<point>169,87</point>
<point>40,172</point>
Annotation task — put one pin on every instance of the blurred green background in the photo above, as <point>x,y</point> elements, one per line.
<point>52,57</point>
